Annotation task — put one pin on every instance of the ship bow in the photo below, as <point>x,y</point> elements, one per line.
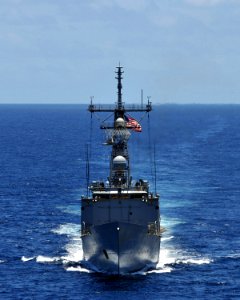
<point>121,248</point>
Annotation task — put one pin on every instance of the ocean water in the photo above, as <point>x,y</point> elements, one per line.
<point>42,177</point>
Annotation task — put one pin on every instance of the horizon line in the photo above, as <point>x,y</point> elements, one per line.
<point>157,103</point>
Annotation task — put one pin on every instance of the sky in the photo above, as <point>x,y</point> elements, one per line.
<point>65,51</point>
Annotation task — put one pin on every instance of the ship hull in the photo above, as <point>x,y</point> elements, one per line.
<point>120,248</point>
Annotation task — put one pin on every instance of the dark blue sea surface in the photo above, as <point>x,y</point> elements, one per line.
<point>43,175</point>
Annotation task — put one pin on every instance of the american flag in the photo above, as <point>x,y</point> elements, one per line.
<point>133,124</point>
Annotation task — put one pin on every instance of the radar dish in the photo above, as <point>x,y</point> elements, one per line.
<point>120,122</point>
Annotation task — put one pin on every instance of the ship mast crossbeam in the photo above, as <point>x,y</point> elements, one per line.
<point>120,108</point>
<point>132,108</point>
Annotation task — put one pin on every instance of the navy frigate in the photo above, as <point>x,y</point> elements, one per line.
<point>120,220</point>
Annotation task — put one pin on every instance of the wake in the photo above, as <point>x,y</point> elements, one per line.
<point>73,261</point>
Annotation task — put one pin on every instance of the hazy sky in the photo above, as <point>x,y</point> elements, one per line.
<point>64,51</point>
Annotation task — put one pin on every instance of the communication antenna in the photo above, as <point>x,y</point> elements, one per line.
<point>91,103</point>
<point>155,168</point>
<point>87,170</point>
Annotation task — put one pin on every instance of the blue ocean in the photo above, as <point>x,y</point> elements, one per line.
<point>43,175</point>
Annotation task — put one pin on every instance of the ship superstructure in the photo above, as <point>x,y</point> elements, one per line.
<point>120,221</point>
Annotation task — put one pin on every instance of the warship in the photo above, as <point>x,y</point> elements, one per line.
<point>120,218</point>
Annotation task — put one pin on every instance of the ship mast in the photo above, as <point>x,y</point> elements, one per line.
<point>118,135</point>
<point>120,108</point>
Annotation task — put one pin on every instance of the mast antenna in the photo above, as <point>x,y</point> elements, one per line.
<point>87,170</point>
<point>119,78</point>
<point>155,169</point>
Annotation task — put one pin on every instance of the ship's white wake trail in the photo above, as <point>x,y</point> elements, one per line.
<point>172,255</point>
<point>73,257</point>
<point>74,252</point>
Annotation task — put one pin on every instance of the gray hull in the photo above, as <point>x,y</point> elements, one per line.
<point>120,248</point>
